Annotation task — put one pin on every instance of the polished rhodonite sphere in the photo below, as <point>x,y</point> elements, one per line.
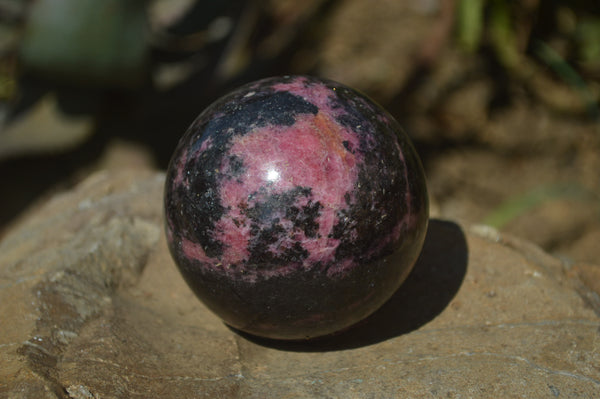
<point>295,207</point>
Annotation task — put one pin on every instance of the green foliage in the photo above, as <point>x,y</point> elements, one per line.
<point>569,75</point>
<point>470,23</point>
<point>564,37</point>
<point>516,206</point>
<point>506,26</point>
<point>479,20</point>
<point>502,33</point>
<point>587,36</point>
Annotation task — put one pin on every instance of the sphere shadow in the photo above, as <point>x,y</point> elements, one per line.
<point>433,282</point>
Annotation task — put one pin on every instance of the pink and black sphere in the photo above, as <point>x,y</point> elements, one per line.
<point>295,207</point>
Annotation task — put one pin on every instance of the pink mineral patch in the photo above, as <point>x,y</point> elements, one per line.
<point>195,251</point>
<point>180,169</point>
<point>279,158</point>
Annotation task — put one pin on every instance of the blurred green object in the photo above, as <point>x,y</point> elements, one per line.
<point>470,23</point>
<point>502,33</point>
<point>588,39</point>
<point>514,207</point>
<point>569,75</point>
<point>477,19</point>
<point>91,42</point>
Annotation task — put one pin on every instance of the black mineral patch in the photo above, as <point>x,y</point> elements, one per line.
<point>266,227</point>
<point>259,110</point>
<point>305,218</point>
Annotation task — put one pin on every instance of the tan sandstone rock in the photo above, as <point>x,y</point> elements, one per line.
<point>92,306</point>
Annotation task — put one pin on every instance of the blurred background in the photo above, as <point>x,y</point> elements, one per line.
<point>499,97</point>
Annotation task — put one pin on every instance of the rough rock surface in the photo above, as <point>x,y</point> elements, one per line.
<point>92,306</point>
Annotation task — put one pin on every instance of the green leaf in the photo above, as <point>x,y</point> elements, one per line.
<point>588,39</point>
<point>516,206</point>
<point>470,19</point>
<point>502,34</point>
<point>567,74</point>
